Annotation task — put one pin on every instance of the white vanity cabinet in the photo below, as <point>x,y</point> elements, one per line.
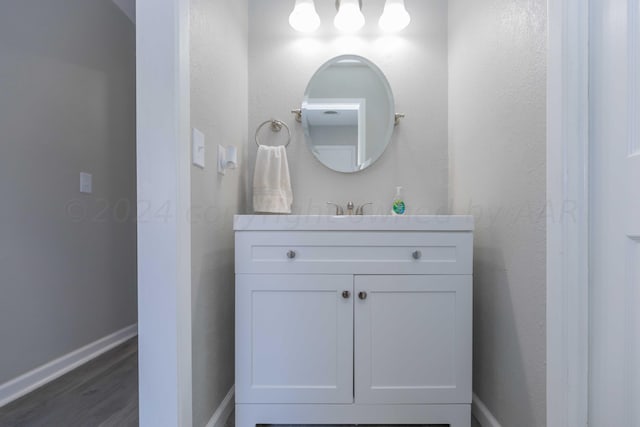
<point>354,320</point>
<point>294,338</point>
<point>412,342</point>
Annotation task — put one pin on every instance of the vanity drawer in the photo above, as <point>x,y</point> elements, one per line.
<point>354,252</point>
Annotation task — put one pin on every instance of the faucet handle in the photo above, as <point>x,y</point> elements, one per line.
<point>339,209</point>
<point>360,210</point>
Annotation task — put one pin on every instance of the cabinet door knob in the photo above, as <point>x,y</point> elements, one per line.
<point>346,294</point>
<point>291,254</point>
<point>416,254</point>
<point>362,295</point>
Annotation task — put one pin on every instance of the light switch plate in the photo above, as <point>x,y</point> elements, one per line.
<point>198,148</point>
<point>86,184</point>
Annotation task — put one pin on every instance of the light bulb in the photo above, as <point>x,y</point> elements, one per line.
<point>349,17</point>
<point>304,17</point>
<point>395,17</point>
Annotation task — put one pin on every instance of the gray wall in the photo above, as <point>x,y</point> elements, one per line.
<point>497,84</point>
<point>67,104</point>
<point>281,62</point>
<point>219,109</point>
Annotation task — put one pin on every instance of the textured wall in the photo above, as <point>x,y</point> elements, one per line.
<point>281,62</point>
<point>497,83</point>
<point>219,109</point>
<point>67,104</point>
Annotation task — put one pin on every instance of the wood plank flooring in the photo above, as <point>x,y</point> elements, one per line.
<point>100,393</point>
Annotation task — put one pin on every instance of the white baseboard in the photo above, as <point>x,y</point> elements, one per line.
<point>482,413</point>
<point>18,387</point>
<point>219,418</point>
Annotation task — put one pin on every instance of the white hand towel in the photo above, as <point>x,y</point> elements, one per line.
<point>271,181</point>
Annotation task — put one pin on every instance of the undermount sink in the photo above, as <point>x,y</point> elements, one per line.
<point>354,222</point>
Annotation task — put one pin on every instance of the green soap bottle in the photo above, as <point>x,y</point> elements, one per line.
<point>398,207</point>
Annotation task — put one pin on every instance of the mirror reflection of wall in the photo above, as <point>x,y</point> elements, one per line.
<point>338,129</point>
<point>347,113</point>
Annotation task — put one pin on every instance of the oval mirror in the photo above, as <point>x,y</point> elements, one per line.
<point>348,113</point>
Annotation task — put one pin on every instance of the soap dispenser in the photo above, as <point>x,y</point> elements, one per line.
<point>398,206</point>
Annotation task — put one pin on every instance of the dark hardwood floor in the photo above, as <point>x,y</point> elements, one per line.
<point>102,392</point>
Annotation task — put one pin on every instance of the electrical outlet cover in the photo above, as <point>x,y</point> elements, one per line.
<point>86,182</point>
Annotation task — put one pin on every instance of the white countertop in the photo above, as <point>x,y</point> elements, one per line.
<point>353,223</point>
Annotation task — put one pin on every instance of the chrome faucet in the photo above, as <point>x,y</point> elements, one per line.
<point>360,210</point>
<point>350,208</point>
<point>339,209</point>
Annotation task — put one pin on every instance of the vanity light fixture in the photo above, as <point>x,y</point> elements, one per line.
<point>394,17</point>
<point>304,17</point>
<point>349,17</point>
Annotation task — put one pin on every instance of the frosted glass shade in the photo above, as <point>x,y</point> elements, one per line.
<point>304,17</point>
<point>394,17</point>
<point>349,17</point>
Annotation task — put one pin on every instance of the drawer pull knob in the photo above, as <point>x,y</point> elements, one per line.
<point>362,295</point>
<point>291,254</point>
<point>346,294</point>
<point>416,254</point>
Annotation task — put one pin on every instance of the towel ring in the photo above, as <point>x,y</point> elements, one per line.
<point>276,126</point>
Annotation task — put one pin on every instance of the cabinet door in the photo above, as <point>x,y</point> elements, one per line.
<point>413,339</point>
<point>294,338</point>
